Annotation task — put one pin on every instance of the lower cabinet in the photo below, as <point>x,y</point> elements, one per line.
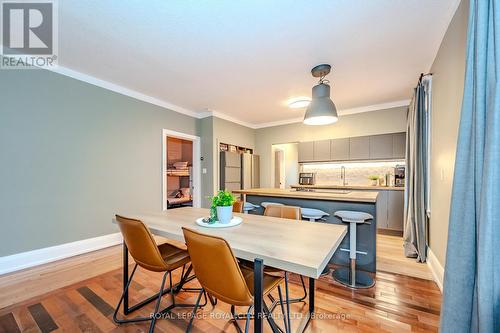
<point>395,210</point>
<point>390,210</point>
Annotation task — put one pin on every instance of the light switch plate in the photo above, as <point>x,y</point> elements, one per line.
<point>204,170</point>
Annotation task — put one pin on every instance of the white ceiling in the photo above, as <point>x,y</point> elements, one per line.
<point>244,59</point>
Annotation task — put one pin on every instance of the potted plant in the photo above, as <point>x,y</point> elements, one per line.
<point>374,180</point>
<point>222,207</point>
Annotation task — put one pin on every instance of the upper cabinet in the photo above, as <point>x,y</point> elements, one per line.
<point>399,145</point>
<point>306,151</point>
<point>381,147</point>
<point>321,150</point>
<point>374,147</point>
<point>339,149</point>
<point>359,148</point>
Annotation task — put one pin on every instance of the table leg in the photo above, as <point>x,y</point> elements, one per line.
<point>125,279</point>
<point>258,270</point>
<point>311,295</point>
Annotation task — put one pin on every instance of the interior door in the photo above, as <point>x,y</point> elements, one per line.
<point>279,173</point>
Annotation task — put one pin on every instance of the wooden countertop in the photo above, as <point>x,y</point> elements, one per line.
<point>351,187</point>
<point>351,196</point>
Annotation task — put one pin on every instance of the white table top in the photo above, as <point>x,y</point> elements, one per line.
<point>300,247</point>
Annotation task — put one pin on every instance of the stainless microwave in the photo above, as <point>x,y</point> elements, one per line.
<point>306,178</point>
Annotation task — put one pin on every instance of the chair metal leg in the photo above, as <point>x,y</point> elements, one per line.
<point>157,306</point>
<point>125,291</point>
<point>270,319</point>
<point>285,316</point>
<point>292,300</point>
<point>193,314</point>
<point>157,296</point>
<point>249,315</point>
<point>213,300</point>
<point>235,319</point>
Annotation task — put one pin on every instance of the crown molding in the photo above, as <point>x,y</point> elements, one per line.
<point>207,113</point>
<point>229,118</point>
<point>123,90</point>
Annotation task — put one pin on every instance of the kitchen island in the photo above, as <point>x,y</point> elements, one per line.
<point>329,202</point>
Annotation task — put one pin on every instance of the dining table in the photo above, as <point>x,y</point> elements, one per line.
<point>295,246</point>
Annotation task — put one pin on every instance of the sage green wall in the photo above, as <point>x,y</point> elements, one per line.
<point>72,155</point>
<point>206,132</point>
<point>447,90</point>
<point>231,133</point>
<point>213,131</point>
<point>359,124</point>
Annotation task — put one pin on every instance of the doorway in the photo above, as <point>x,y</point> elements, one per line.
<point>285,165</point>
<point>180,170</point>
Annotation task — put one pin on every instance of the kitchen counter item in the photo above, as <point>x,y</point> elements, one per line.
<point>350,187</point>
<point>350,196</point>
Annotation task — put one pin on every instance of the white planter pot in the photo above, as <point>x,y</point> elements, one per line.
<point>224,214</point>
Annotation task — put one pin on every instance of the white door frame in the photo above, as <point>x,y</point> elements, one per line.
<point>196,165</point>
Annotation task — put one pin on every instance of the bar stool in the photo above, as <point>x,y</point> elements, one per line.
<point>248,206</point>
<point>349,276</point>
<point>267,203</point>
<point>313,215</point>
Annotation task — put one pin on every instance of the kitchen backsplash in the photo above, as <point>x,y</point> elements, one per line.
<point>356,173</point>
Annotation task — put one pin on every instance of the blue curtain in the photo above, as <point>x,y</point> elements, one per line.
<point>472,277</point>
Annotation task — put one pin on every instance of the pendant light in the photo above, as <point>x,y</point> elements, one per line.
<point>321,110</point>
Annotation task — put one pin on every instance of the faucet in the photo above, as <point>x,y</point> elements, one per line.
<point>342,176</point>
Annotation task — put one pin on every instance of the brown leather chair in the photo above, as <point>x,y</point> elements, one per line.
<point>238,206</point>
<point>286,212</point>
<point>293,213</point>
<point>157,258</point>
<point>220,275</point>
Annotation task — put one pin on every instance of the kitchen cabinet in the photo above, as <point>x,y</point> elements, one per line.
<point>390,210</point>
<point>374,147</point>
<point>382,206</point>
<point>359,148</point>
<point>306,151</point>
<point>321,150</point>
<point>381,146</point>
<point>339,149</point>
<point>399,145</point>
<point>395,204</point>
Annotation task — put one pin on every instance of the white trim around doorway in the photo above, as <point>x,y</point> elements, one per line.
<point>196,165</point>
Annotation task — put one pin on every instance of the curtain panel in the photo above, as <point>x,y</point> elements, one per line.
<point>471,300</point>
<point>416,185</point>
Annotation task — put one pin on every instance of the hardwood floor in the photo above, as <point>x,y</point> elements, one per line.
<point>397,303</point>
<point>80,293</point>
<point>390,258</point>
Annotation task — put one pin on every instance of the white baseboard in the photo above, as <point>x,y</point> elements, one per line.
<point>436,268</point>
<point>28,259</point>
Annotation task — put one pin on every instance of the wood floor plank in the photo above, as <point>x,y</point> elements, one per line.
<point>42,318</point>
<point>96,301</point>
<point>8,324</point>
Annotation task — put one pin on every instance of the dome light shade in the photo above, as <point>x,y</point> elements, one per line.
<point>321,110</point>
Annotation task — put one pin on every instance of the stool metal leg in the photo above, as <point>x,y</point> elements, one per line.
<point>349,276</point>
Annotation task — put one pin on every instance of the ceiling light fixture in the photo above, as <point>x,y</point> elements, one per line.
<point>321,110</point>
<point>298,102</point>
